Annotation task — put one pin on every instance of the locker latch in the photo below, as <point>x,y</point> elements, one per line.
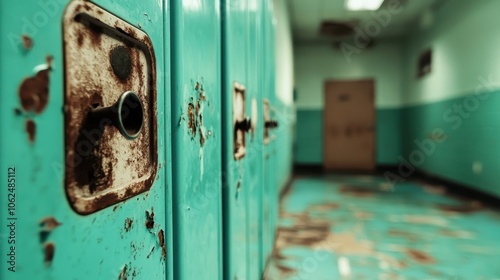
<point>110,108</point>
<point>241,123</point>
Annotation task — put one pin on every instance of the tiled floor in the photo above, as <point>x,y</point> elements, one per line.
<point>359,227</point>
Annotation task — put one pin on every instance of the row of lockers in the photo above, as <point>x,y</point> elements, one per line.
<point>140,140</point>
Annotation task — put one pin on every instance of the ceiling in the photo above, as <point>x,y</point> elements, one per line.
<point>307,15</point>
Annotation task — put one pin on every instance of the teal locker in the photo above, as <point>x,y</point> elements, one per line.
<point>90,197</point>
<point>235,88</point>
<point>256,142</point>
<point>197,134</point>
<point>270,197</point>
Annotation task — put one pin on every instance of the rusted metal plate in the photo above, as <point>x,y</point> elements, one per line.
<point>239,118</point>
<point>104,58</point>
<point>267,118</point>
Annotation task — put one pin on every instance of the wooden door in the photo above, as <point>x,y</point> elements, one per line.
<point>349,125</point>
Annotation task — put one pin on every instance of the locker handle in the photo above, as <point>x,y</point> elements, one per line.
<point>127,115</point>
<point>244,125</point>
<point>271,124</point>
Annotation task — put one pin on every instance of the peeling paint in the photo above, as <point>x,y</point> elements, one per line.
<point>191,122</point>
<point>123,273</point>
<point>150,222</point>
<point>128,224</point>
<point>161,241</point>
<point>47,225</point>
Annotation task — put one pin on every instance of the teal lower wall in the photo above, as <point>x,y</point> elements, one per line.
<point>471,129</point>
<point>309,136</point>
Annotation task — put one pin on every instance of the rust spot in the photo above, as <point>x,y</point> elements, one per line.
<point>34,91</point>
<point>27,42</point>
<point>420,256</point>
<point>192,121</point>
<point>116,207</point>
<point>49,223</point>
<point>80,38</point>
<point>150,222</point>
<point>48,60</point>
<point>47,226</point>
<point>202,137</point>
<point>358,191</point>
<point>197,86</point>
<point>128,224</point>
<point>31,130</point>
<point>95,34</point>
<point>161,240</point>
<point>104,201</point>
<point>49,252</point>
<point>202,96</point>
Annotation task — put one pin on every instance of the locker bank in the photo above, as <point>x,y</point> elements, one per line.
<point>249,139</point>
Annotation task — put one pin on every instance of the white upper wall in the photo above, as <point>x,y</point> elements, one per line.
<point>283,53</point>
<point>464,37</point>
<point>316,63</point>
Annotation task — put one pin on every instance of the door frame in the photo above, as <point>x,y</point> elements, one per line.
<point>325,92</point>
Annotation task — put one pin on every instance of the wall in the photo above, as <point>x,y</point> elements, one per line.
<point>460,96</point>
<point>316,63</point>
<point>285,111</point>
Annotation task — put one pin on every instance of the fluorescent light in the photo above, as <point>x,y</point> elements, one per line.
<point>363,5</point>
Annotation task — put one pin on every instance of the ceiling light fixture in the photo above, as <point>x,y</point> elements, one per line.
<point>363,5</point>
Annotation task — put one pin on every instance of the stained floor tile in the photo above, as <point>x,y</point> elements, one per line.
<point>359,227</point>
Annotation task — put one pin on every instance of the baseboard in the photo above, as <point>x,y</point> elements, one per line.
<point>459,190</point>
<point>318,169</point>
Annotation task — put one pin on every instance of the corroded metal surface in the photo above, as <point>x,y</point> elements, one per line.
<point>105,57</point>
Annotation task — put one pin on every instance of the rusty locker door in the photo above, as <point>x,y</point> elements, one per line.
<point>349,119</point>
<point>84,109</point>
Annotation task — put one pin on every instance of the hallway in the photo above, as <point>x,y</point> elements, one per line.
<point>360,227</point>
